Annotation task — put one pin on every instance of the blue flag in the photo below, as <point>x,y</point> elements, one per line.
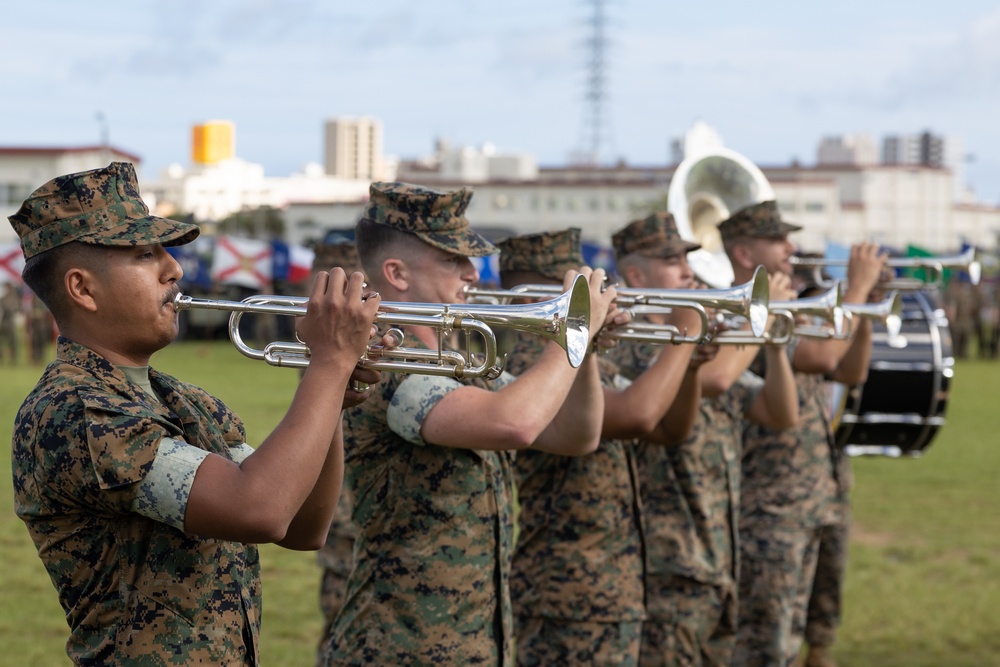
<point>197,272</point>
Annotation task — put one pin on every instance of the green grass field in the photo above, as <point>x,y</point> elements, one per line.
<point>923,581</point>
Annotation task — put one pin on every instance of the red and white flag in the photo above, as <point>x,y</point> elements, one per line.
<point>11,263</point>
<point>245,262</point>
<point>292,263</point>
<point>300,262</point>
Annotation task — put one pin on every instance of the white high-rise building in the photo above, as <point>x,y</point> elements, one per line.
<point>353,148</point>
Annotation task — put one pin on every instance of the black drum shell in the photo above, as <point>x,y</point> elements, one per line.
<point>902,405</point>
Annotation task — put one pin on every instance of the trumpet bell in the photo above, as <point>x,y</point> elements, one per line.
<point>564,319</point>
<point>751,299</point>
<point>828,306</point>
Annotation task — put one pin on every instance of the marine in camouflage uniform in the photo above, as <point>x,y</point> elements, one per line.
<point>824,611</point>
<point>578,568</point>
<point>690,488</point>
<point>72,466</point>
<point>431,577</point>
<point>789,476</point>
<point>105,451</point>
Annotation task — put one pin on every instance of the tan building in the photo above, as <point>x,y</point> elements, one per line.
<point>353,149</point>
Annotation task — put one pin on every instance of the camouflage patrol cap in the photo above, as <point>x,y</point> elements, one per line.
<point>761,221</point>
<point>100,207</point>
<point>655,235</point>
<point>343,254</point>
<point>437,218</point>
<point>550,254</point>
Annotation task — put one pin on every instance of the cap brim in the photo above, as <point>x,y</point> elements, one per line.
<point>783,230</point>
<point>671,249</point>
<point>467,243</point>
<point>145,231</point>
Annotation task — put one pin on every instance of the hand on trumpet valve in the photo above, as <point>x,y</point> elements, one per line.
<point>878,293</point>
<point>337,324</point>
<point>780,287</point>
<point>864,270</point>
<point>616,318</point>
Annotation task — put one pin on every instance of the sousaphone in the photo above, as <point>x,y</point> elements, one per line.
<point>707,188</point>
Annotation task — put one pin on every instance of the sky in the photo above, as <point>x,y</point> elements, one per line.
<point>773,78</point>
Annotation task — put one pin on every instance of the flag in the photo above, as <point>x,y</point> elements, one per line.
<point>920,274</point>
<point>245,262</point>
<point>839,252</point>
<point>488,268</point>
<point>196,269</point>
<point>292,263</point>
<point>598,257</point>
<point>11,263</point>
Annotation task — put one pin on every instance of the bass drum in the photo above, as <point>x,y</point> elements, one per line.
<point>899,410</point>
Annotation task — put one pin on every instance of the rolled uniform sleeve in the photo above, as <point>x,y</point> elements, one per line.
<point>163,493</point>
<point>416,396</point>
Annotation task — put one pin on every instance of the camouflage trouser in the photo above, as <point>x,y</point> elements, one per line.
<point>689,624</point>
<point>824,602</point>
<point>336,558</point>
<point>776,574</point>
<point>545,642</point>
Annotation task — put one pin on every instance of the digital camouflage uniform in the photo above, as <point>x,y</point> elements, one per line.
<point>135,591</point>
<point>578,566</point>
<point>788,487</point>
<point>788,483</point>
<point>824,610</point>
<point>690,499</point>
<point>431,576</point>
<point>336,557</point>
<point>577,579</point>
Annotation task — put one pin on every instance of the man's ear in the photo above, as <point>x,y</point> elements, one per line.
<point>633,276</point>
<point>741,255</point>
<point>396,273</point>
<point>79,285</point>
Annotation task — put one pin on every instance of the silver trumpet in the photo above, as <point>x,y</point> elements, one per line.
<point>889,311</point>
<point>935,267</point>
<point>827,306</point>
<point>749,300</point>
<point>564,320</point>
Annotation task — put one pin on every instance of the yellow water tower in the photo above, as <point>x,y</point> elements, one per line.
<point>213,141</point>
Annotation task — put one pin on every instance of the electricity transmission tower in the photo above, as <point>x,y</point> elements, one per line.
<point>596,134</point>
